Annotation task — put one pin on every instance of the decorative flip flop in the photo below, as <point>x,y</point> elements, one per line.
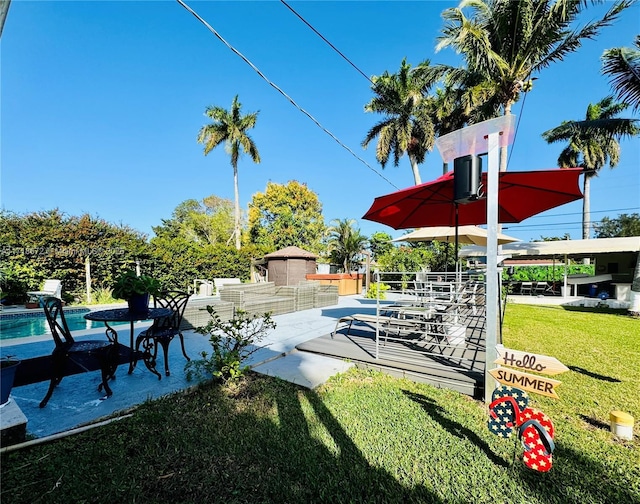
<point>506,409</point>
<point>536,436</point>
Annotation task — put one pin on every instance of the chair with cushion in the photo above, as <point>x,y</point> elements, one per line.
<point>71,357</point>
<point>164,329</point>
<point>50,288</point>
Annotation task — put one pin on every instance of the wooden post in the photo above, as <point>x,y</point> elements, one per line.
<point>87,277</point>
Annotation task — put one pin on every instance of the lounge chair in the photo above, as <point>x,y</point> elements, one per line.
<point>388,325</point>
<point>51,288</point>
<point>540,288</point>
<point>526,288</point>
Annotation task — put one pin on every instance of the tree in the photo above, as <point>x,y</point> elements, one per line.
<point>380,244</point>
<point>407,127</point>
<point>51,244</point>
<point>208,221</point>
<point>622,65</point>
<point>623,225</point>
<point>230,128</point>
<point>286,215</point>
<point>346,243</point>
<point>507,42</point>
<point>591,143</point>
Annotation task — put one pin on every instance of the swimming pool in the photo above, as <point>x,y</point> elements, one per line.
<point>22,325</point>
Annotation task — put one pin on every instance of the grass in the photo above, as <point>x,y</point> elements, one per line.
<point>363,437</point>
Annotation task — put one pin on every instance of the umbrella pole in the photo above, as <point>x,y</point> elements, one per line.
<point>457,258</point>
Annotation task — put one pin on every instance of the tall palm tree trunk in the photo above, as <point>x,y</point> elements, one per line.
<point>415,169</point>
<point>236,227</point>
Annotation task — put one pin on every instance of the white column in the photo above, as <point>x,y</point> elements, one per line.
<point>493,293</point>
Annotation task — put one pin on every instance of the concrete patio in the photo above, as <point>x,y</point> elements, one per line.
<point>76,401</point>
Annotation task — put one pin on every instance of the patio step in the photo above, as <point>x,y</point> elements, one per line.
<point>13,424</point>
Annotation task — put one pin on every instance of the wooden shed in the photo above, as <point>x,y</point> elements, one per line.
<point>290,265</point>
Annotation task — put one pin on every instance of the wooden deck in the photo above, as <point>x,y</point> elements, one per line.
<point>420,358</point>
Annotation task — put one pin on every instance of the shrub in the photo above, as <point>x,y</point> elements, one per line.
<point>374,288</point>
<point>233,341</point>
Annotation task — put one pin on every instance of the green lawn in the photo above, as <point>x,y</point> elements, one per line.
<point>363,437</point>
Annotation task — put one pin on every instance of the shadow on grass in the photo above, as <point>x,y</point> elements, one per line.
<point>596,309</point>
<point>594,375</point>
<point>210,446</point>
<point>594,422</point>
<point>437,412</point>
<point>574,477</point>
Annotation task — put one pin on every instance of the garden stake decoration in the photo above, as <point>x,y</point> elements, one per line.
<point>508,409</point>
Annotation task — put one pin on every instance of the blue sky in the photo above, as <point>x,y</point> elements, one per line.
<point>102,102</point>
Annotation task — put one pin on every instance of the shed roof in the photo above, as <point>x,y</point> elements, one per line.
<point>560,248</point>
<point>294,252</point>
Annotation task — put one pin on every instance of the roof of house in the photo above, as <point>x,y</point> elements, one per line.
<point>560,248</point>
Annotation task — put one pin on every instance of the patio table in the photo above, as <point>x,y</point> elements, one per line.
<point>125,315</point>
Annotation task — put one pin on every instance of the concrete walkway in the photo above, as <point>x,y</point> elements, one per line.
<point>76,400</point>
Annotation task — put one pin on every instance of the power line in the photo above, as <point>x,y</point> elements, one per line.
<point>580,213</point>
<point>323,38</point>
<point>291,100</point>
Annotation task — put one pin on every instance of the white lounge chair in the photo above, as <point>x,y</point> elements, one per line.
<point>51,288</point>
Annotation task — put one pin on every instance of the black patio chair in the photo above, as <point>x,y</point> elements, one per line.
<point>72,357</point>
<point>164,329</point>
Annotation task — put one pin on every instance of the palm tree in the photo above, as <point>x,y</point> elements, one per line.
<point>591,143</point>
<point>230,128</point>
<point>345,242</point>
<point>407,127</point>
<point>622,65</point>
<point>507,42</point>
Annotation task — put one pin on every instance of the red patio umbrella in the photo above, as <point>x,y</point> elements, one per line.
<point>520,195</point>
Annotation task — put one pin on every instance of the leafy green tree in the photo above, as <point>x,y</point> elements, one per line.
<point>508,42</point>
<point>286,215</point>
<point>208,221</point>
<point>591,143</point>
<point>406,127</point>
<point>623,225</point>
<point>380,243</point>
<point>50,244</point>
<point>622,66</point>
<point>346,243</point>
<point>230,128</point>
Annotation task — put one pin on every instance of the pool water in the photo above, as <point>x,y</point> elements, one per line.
<point>12,327</point>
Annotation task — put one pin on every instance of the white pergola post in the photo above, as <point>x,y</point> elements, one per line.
<point>485,137</point>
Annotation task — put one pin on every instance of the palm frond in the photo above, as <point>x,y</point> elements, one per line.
<point>622,66</point>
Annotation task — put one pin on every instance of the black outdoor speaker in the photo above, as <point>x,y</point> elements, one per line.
<point>467,176</point>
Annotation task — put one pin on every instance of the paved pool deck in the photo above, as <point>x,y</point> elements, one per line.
<point>76,401</point>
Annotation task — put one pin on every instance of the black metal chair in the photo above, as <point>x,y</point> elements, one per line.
<point>163,330</point>
<point>72,357</point>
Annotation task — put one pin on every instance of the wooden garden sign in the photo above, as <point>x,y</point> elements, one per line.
<point>531,383</point>
<point>529,361</point>
<point>508,411</point>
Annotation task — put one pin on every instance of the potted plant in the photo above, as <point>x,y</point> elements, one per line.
<point>136,290</point>
<point>8,367</point>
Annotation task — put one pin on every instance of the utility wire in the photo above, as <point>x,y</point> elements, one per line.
<point>273,85</point>
<point>323,38</point>
<point>580,213</point>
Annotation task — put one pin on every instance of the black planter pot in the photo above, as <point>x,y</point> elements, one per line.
<point>139,303</point>
<point>8,373</point>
